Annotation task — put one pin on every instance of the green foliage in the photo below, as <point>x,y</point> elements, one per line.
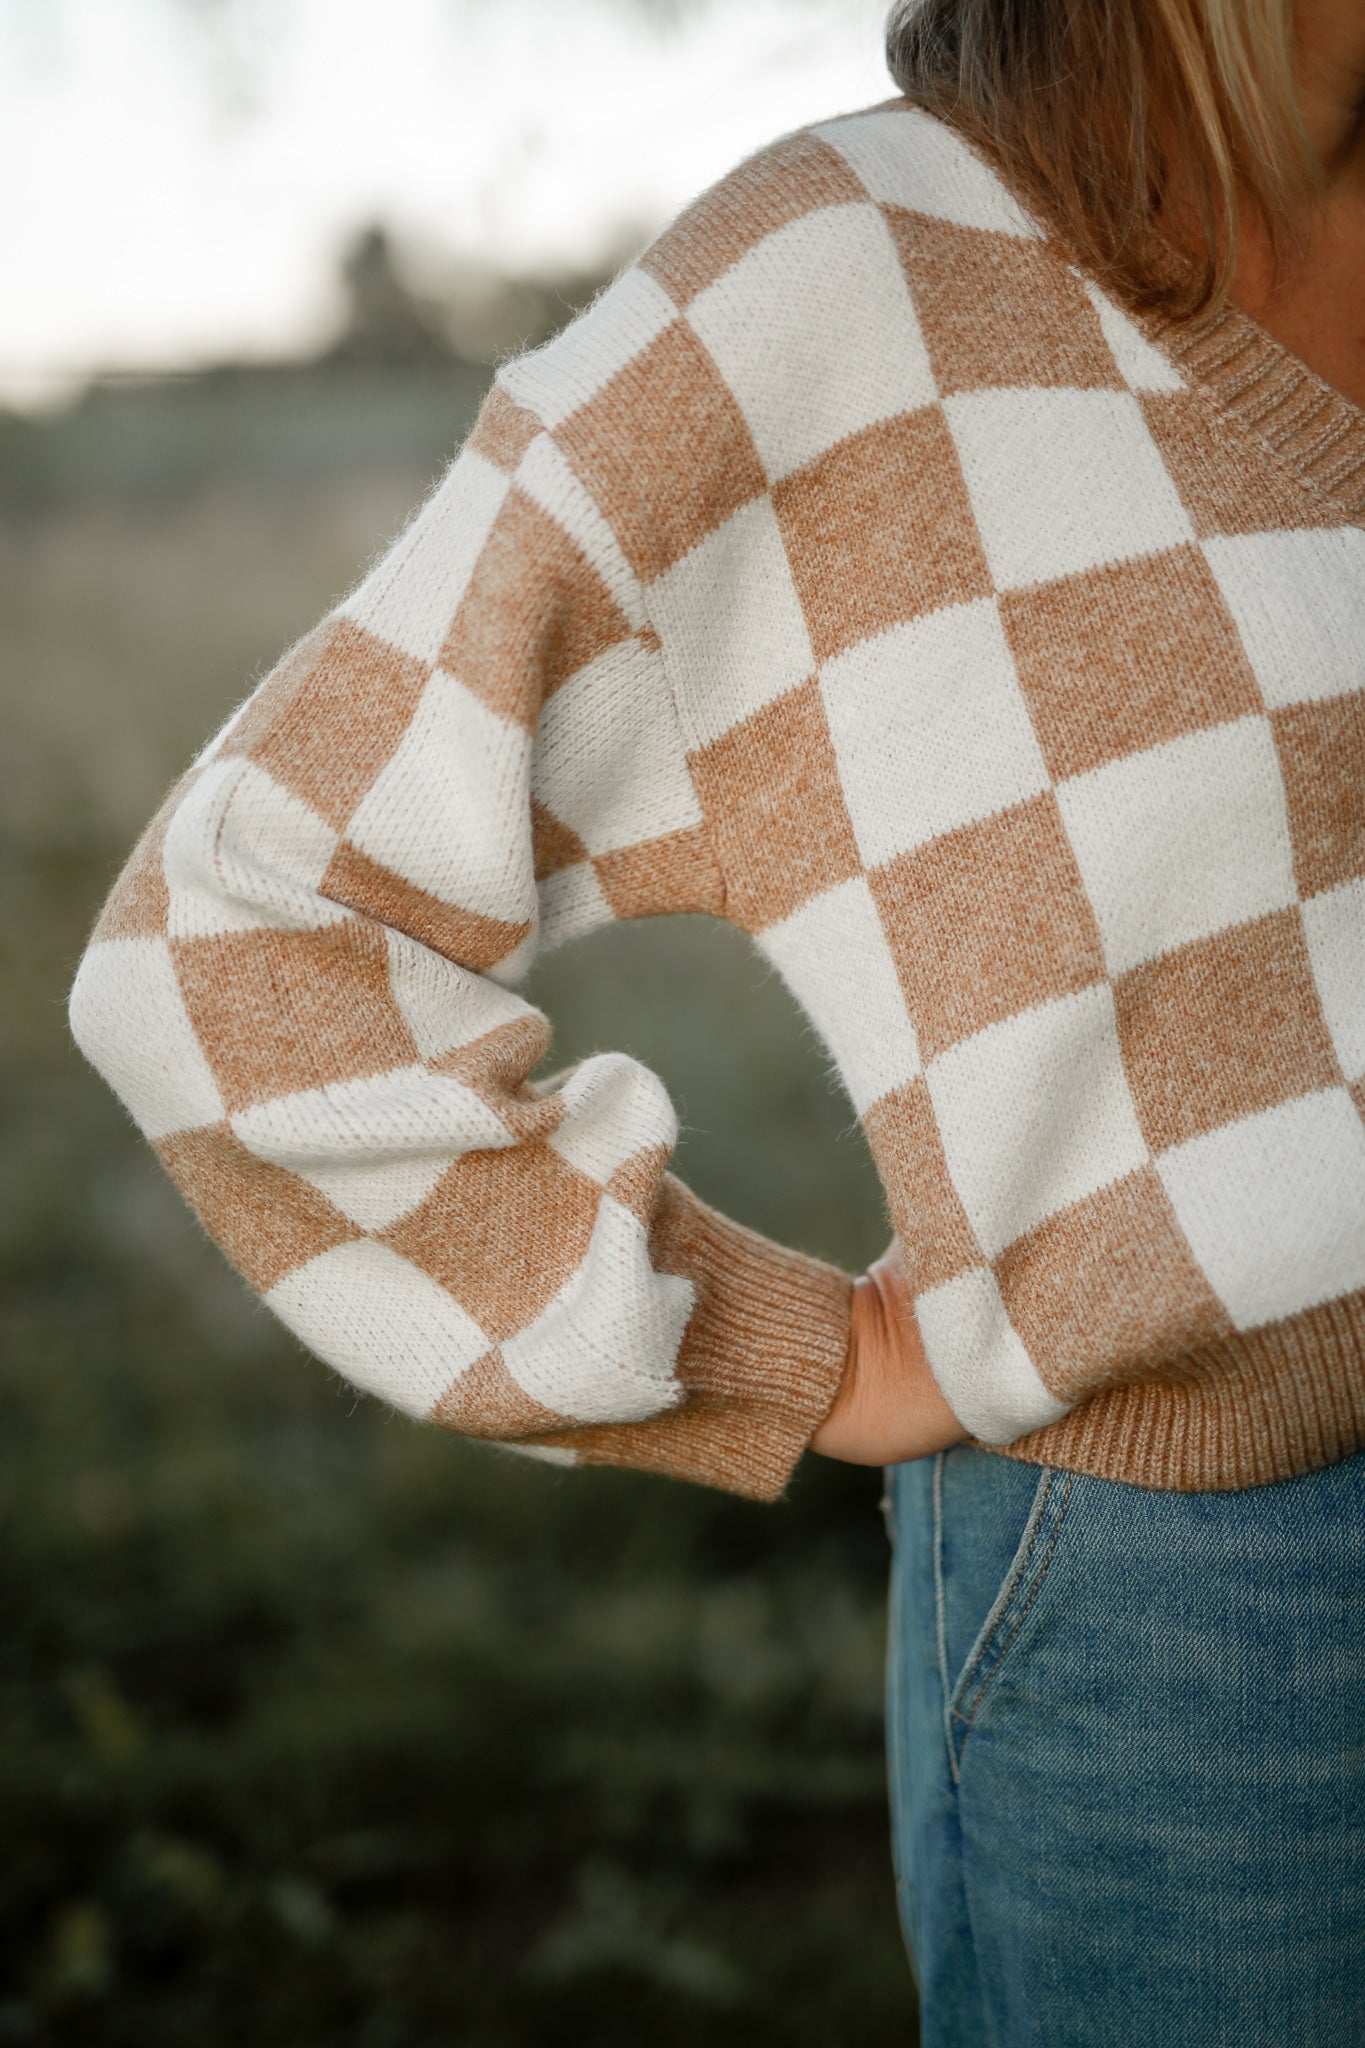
<point>318,1728</point>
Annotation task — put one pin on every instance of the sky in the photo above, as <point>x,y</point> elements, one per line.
<point>181,174</point>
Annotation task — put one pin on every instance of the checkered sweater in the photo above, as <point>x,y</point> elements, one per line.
<point>856,570</point>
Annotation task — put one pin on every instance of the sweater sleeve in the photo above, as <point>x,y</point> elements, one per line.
<point>303,988</point>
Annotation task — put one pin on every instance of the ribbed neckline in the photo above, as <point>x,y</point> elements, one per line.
<point>1257,381</point>
<point>1252,378</point>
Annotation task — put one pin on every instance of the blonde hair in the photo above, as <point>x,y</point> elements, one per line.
<point>1100,113</point>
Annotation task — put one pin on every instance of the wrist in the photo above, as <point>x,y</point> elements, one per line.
<point>889,1406</point>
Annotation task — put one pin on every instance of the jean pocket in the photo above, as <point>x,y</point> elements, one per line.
<point>1015,1597</point>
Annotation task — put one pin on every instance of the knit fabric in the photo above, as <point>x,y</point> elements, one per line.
<point>855,569</point>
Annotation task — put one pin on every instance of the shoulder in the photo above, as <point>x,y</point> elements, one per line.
<point>892,158</point>
<point>810,207</point>
<point>793,302</point>
<point>827,203</point>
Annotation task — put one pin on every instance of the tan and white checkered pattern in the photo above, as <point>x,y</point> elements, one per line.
<point>855,569</point>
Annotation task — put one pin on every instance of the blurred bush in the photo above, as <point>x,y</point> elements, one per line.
<point>317,1727</point>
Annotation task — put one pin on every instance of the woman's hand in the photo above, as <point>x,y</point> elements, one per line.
<point>889,1406</point>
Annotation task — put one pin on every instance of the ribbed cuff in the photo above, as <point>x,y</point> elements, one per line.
<point>761,1359</point>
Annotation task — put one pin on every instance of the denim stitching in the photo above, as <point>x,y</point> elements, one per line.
<point>895,1731</point>
<point>941,1611</point>
<point>1000,1604</point>
<point>968,1720</point>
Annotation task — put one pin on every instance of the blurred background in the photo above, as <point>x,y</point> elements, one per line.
<point>317,1727</point>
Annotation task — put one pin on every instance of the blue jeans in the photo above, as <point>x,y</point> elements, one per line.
<point>1126,1736</point>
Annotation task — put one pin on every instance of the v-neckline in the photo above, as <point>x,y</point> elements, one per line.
<point>1312,428</point>
<point>1257,380</point>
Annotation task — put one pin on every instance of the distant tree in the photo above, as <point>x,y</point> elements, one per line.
<point>386,320</point>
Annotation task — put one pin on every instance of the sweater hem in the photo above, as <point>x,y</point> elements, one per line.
<point>1248,1410</point>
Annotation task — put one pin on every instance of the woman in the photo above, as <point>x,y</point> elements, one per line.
<point>940,554</point>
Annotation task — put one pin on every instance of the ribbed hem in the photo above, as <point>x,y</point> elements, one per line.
<point>1245,1411</point>
<point>761,1359</point>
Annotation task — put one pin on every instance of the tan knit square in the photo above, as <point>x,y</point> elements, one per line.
<point>279,1011</point>
<point>664,450</point>
<point>1123,657</point>
<point>1322,759</point>
<point>263,707</point>
<point>770,791</point>
<point>880,529</point>
<point>1245,495</point>
<point>330,714</point>
<point>1107,1287</point>
<point>495,1066</point>
<point>140,901</point>
<point>373,890</point>
<point>926,1210</point>
<point>535,612</point>
<point>793,178</point>
<point>554,845</point>
<point>1042,327</point>
<point>503,1232</point>
<point>635,1182</point>
<point>486,1401</point>
<point>1221,1028</point>
<point>265,1219</point>
<point>987,920</point>
<point>503,430</point>
<point>675,872</point>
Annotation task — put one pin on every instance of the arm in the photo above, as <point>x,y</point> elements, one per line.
<point>889,1406</point>
<point>303,988</point>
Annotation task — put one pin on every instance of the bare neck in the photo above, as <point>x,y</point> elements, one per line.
<point>1315,305</point>
<point>1330,46</point>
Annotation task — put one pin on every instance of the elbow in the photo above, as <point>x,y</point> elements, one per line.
<point>125,1009</point>
<point>128,1017</point>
